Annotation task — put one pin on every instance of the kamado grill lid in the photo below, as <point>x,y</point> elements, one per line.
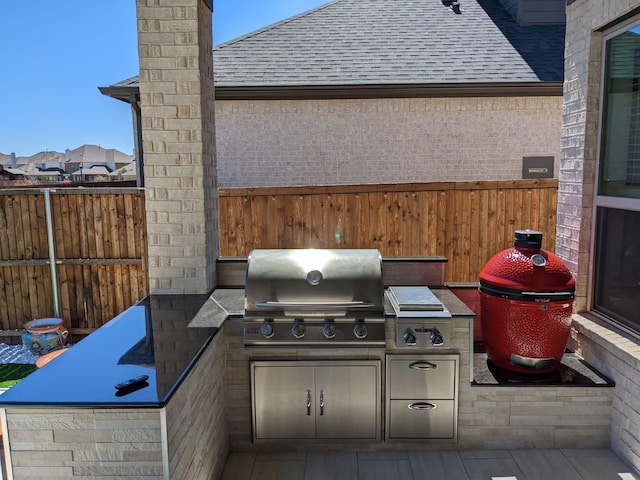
<point>313,282</point>
<point>527,272</point>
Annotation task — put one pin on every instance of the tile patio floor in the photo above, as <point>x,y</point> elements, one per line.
<point>553,464</point>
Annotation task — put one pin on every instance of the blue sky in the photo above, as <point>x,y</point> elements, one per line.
<point>55,55</point>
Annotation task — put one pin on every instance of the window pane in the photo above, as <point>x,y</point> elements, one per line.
<point>620,143</point>
<point>617,276</point>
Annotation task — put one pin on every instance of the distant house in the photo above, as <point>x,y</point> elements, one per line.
<point>93,155</point>
<point>8,173</point>
<point>87,163</point>
<point>44,160</point>
<point>126,173</point>
<point>94,173</point>
<point>49,174</point>
<point>377,91</point>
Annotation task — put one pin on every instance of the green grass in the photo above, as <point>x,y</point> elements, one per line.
<point>12,373</point>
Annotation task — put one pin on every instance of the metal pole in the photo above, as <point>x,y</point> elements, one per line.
<point>52,252</point>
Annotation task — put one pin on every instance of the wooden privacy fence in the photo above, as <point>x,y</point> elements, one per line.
<point>99,251</point>
<point>467,222</point>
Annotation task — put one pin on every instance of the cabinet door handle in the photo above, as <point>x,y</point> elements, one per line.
<point>309,402</point>
<point>423,366</point>
<point>321,402</point>
<point>421,406</point>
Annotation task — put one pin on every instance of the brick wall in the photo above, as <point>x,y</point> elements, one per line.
<point>326,142</point>
<point>579,140</point>
<point>176,65</point>
<point>616,354</point>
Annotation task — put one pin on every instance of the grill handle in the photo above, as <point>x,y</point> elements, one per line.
<point>532,363</point>
<point>423,366</point>
<point>315,305</point>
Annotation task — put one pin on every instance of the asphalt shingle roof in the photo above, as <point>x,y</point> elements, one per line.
<point>391,42</point>
<point>353,42</point>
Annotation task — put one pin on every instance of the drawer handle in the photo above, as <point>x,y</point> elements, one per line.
<point>422,406</point>
<point>423,366</point>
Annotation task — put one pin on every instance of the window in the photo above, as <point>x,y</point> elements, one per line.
<point>616,274</point>
<point>619,172</point>
<point>618,265</point>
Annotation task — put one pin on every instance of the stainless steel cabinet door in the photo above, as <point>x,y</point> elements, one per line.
<point>284,402</point>
<point>346,401</point>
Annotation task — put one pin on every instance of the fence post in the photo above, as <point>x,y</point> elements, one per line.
<point>52,252</point>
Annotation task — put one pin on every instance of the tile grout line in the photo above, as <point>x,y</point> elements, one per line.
<point>570,463</point>
<point>515,460</point>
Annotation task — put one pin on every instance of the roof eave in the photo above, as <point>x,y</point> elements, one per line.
<point>310,92</point>
<point>307,92</point>
<point>121,93</point>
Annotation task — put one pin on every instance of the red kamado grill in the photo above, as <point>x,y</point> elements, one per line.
<point>526,301</point>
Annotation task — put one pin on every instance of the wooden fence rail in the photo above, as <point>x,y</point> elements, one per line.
<point>99,238</point>
<point>466,222</point>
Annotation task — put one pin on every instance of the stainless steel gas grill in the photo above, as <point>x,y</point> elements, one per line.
<point>314,297</point>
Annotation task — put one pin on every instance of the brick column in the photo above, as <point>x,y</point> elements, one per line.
<point>175,47</point>
<point>579,141</point>
<point>577,161</point>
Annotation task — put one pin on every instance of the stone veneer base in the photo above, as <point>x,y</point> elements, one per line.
<point>489,417</point>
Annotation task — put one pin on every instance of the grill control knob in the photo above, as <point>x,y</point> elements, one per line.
<point>298,330</point>
<point>360,330</point>
<point>329,330</point>
<point>266,329</point>
<point>436,338</point>
<point>409,337</point>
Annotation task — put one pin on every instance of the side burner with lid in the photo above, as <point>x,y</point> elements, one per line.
<point>422,321</point>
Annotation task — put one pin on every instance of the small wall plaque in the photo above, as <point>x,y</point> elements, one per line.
<point>537,167</point>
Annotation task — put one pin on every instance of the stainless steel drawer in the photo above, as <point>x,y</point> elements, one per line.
<point>422,377</point>
<point>433,419</point>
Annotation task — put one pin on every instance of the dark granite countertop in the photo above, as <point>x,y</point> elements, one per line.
<point>572,372</point>
<point>161,336</point>
<point>456,307</point>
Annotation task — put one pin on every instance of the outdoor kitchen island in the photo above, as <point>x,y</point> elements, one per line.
<point>68,420</point>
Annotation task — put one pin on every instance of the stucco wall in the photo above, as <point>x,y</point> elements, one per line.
<point>319,142</point>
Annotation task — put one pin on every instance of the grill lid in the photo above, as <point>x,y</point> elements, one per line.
<point>313,282</point>
<point>527,272</point>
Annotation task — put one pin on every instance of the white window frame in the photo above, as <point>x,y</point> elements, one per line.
<point>621,203</point>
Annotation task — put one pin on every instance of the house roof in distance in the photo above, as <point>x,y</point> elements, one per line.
<point>383,44</point>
